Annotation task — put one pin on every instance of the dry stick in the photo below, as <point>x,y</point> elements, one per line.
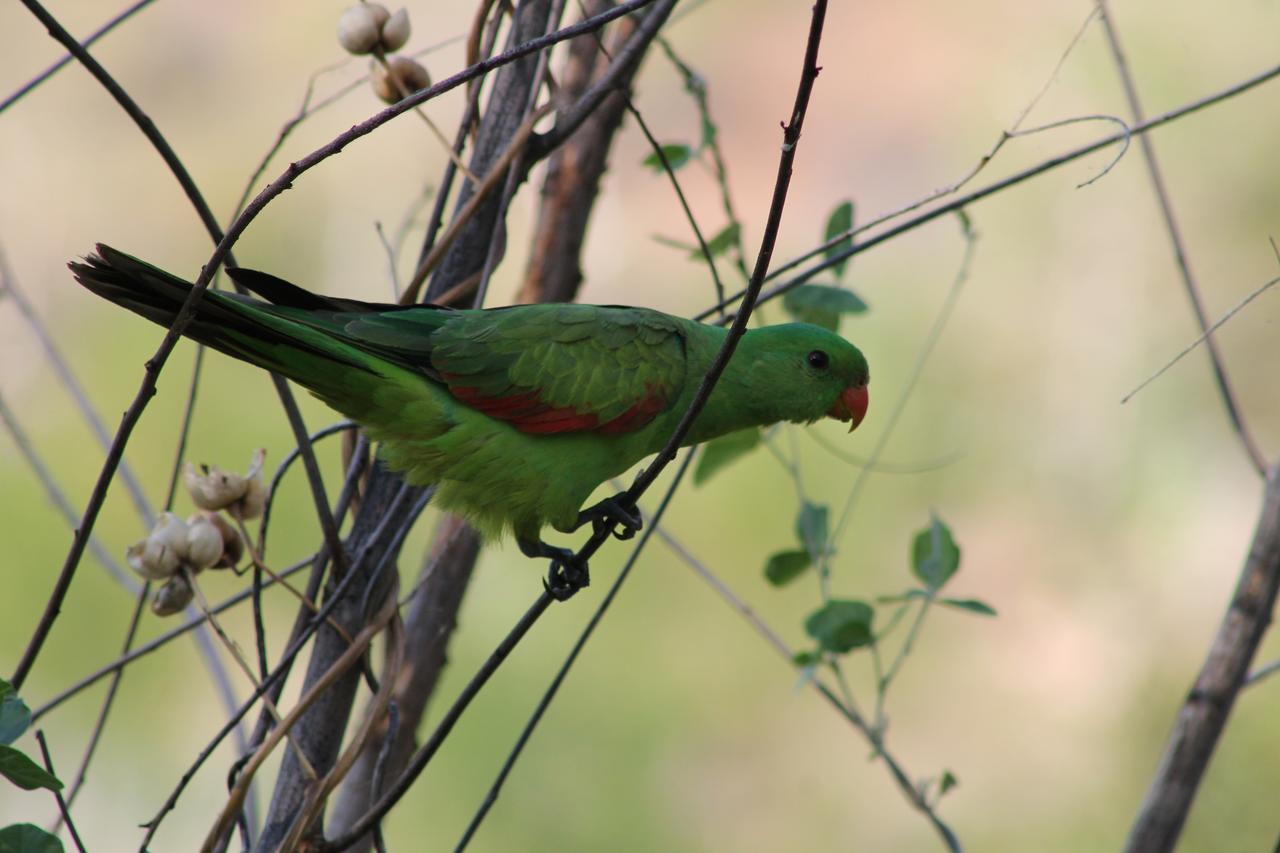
<point>1203,715</point>
<point>349,658</point>
<point>319,794</point>
<point>277,675</point>
<point>57,793</point>
<point>491,180</point>
<point>791,137</point>
<point>1004,183</point>
<point>554,687</point>
<point>143,650</point>
<point>146,390</point>
<point>1179,248</point>
<point>909,788</point>
<point>57,66</point>
<point>9,287</point>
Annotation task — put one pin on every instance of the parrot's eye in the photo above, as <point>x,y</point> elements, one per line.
<point>818,360</point>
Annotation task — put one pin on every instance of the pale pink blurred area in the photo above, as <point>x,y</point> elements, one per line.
<point>1107,536</point>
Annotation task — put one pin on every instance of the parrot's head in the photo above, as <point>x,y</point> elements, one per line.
<point>811,373</point>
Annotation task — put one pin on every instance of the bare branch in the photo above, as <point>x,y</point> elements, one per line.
<point>1178,245</point>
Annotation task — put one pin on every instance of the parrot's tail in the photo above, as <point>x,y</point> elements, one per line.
<point>289,335</point>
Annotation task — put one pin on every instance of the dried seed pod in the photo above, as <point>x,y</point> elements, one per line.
<point>204,541</point>
<point>410,74</point>
<point>153,559</point>
<point>253,500</point>
<point>395,32</point>
<point>360,27</point>
<point>232,544</point>
<point>173,597</point>
<point>214,489</point>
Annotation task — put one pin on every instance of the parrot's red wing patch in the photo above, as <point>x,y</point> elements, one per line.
<point>526,412</point>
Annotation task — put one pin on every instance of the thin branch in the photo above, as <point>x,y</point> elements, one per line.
<point>790,141</point>
<point>143,650</point>
<point>1204,337</point>
<point>651,524</point>
<point>850,713</point>
<point>62,62</point>
<point>1005,183</point>
<point>57,794</point>
<point>1234,412</point>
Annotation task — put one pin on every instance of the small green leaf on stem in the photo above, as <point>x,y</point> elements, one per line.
<point>28,838</point>
<point>841,625</point>
<point>822,304</point>
<point>785,566</point>
<point>934,555</point>
<point>947,782</point>
<point>839,222</point>
<point>811,529</point>
<point>719,244</point>
<point>15,716</point>
<point>721,451</point>
<point>677,154</point>
<point>903,598</point>
<point>24,772</point>
<point>973,605</point>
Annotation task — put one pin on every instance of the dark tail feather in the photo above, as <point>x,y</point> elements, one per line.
<point>239,326</point>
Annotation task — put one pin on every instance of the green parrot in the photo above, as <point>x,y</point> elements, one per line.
<point>517,413</point>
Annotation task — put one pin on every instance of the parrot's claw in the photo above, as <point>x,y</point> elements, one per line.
<point>568,572</point>
<point>617,510</point>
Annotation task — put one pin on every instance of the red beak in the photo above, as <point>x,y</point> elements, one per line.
<point>850,406</point>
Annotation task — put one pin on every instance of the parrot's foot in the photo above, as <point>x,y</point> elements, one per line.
<point>568,572</point>
<point>617,510</point>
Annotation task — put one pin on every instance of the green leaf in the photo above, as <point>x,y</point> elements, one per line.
<point>973,605</point>
<point>785,566</point>
<point>677,154</point>
<point>947,782</point>
<point>840,221</point>
<point>811,529</point>
<point>807,658</point>
<point>822,304</point>
<point>934,555</point>
<point>721,243</point>
<point>24,772</point>
<point>28,838</point>
<point>721,451</point>
<point>841,625</point>
<point>15,716</point>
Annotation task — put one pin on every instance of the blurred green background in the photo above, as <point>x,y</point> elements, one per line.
<point>1108,536</point>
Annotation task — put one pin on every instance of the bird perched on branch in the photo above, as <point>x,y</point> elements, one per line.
<point>517,413</point>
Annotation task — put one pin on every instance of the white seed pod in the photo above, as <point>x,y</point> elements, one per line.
<point>253,500</point>
<point>204,541</point>
<point>409,73</point>
<point>360,27</point>
<point>173,597</point>
<point>171,532</point>
<point>232,544</point>
<point>395,32</point>
<point>153,559</point>
<point>214,489</point>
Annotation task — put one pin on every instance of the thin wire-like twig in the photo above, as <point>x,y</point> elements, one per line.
<point>1204,337</point>
<point>44,75</point>
<point>554,687</point>
<point>1176,242</point>
<point>1004,183</point>
<point>57,793</point>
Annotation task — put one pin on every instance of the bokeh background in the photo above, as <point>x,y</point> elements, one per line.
<point>1108,536</point>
